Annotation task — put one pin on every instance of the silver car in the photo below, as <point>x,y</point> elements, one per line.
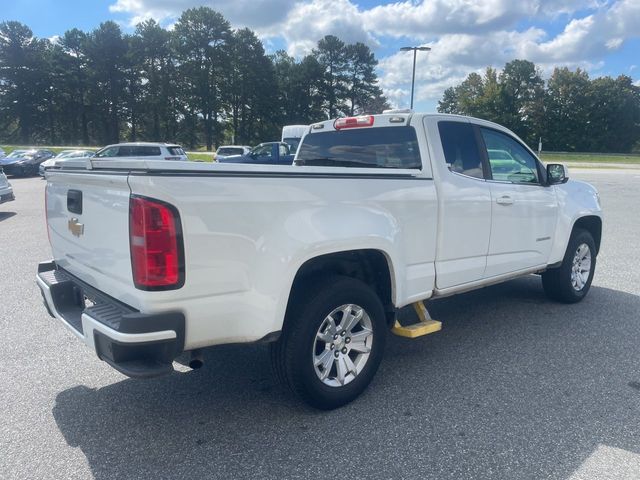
<point>143,150</point>
<point>65,154</point>
<point>6,192</point>
<point>229,150</point>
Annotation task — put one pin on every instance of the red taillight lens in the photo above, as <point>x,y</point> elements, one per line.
<point>155,240</point>
<point>354,122</point>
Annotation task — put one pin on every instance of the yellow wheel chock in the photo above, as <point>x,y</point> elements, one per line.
<point>425,326</point>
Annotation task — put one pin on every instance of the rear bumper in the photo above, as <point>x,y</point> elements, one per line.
<point>136,344</point>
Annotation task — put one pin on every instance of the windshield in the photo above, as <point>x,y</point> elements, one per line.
<point>293,143</point>
<point>382,147</point>
<point>75,154</point>
<point>107,152</point>
<point>20,153</point>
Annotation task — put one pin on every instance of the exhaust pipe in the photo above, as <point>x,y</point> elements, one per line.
<point>197,360</point>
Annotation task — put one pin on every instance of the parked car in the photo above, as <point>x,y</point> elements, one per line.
<point>24,162</point>
<point>148,150</point>
<point>268,153</point>
<point>377,213</point>
<point>6,192</point>
<point>229,150</point>
<point>65,154</point>
<point>292,134</point>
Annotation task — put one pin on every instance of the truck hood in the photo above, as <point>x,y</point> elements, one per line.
<point>583,186</point>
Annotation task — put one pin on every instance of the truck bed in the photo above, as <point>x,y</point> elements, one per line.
<point>246,229</point>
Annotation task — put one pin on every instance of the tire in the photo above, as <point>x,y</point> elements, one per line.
<point>561,284</point>
<point>305,345</point>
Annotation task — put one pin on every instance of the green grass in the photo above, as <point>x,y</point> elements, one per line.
<point>200,157</point>
<point>586,158</point>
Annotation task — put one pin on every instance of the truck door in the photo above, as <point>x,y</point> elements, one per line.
<point>464,201</point>
<point>524,210</point>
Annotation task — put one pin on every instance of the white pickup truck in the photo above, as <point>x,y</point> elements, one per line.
<point>152,259</point>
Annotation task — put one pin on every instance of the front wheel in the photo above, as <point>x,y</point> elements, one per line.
<point>571,282</point>
<point>333,341</point>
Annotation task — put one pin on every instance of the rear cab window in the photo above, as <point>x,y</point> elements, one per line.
<point>380,147</point>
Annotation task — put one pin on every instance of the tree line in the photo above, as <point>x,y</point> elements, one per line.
<point>199,83</point>
<point>570,111</point>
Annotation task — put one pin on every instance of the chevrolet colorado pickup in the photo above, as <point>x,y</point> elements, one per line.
<point>152,259</point>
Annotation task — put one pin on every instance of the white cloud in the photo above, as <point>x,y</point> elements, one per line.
<point>307,23</point>
<point>425,19</point>
<point>249,13</point>
<point>466,35</point>
<point>583,43</point>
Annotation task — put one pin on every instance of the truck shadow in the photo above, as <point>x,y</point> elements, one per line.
<point>515,386</point>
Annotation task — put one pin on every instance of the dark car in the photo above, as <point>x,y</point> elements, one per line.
<point>269,153</point>
<point>24,162</point>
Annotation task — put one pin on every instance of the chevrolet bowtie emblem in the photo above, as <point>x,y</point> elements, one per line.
<point>76,227</point>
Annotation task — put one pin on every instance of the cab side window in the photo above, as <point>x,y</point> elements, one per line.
<point>460,148</point>
<point>508,159</point>
<point>263,151</point>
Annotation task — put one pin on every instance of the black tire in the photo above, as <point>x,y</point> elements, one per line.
<point>557,282</point>
<point>292,355</point>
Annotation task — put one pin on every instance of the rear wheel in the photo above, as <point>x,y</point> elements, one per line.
<point>332,343</point>
<point>571,282</point>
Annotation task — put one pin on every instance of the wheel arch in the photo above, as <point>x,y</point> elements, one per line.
<point>371,266</point>
<point>593,225</point>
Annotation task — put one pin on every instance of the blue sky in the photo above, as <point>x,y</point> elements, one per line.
<point>601,36</point>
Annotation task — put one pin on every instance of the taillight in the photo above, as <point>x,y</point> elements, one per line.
<point>155,238</point>
<point>353,122</point>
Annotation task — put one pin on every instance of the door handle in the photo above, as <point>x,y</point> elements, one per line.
<point>504,200</point>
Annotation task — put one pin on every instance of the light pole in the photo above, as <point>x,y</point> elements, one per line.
<point>413,75</point>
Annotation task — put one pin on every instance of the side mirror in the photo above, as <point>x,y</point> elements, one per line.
<point>556,174</point>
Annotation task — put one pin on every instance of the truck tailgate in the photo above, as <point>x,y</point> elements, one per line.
<point>88,222</point>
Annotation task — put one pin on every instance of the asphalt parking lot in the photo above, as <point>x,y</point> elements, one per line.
<point>514,387</point>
